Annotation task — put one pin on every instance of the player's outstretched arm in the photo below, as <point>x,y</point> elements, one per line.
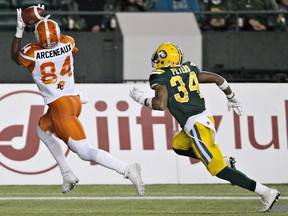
<point>16,43</point>
<point>15,49</point>
<point>209,77</point>
<point>158,102</point>
<point>233,102</point>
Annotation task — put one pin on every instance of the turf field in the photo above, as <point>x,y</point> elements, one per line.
<point>212,199</point>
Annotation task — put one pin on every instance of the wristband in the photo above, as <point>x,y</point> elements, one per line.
<point>148,102</point>
<point>230,96</point>
<point>224,85</point>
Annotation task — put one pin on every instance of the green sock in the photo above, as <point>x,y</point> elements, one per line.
<point>238,178</point>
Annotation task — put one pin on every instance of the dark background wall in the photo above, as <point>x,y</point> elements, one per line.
<point>239,56</point>
<point>253,50</point>
<point>247,56</point>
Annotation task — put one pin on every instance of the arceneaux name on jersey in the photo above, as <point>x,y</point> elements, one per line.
<point>44,54</point>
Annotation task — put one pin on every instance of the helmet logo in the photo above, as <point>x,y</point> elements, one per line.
<point>162,54</point>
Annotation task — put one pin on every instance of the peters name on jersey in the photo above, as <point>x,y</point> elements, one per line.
<point>180,70</point>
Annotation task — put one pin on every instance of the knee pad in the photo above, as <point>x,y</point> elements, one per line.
<point>83,149</point>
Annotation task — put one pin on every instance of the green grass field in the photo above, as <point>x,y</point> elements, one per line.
<point>211,199</point>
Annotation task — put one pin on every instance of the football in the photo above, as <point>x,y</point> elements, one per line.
<point>32,14</point>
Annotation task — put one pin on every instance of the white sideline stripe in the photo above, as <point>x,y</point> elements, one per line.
<point>138,198</point>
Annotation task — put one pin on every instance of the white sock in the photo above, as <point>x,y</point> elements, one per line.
<point>260,188</point>
<point>88,152</point>
<point>54,146</point>
<point>107,160</point>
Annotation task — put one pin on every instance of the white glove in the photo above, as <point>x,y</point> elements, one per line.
<point>137,95</point>
<point>234,104</point>
<point>42,18</point>
<point>83,96</point>
<point>42,6</point>
<point>20,24</point>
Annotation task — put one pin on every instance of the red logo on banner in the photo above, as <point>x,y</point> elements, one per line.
<point>19,142</point>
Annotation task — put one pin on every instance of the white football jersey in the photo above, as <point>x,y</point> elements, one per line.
<point>51,69</point>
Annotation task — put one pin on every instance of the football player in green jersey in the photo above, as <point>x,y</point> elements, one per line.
<point>176,85</point>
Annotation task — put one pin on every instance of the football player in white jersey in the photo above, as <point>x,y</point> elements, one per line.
<point>50,62</point>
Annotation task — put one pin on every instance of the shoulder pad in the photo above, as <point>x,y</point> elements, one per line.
<point>29,49</point>
<point>66,39</point>
<point>192,64</point>
<point>158,71</point>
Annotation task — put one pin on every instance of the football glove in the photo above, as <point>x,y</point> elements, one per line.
<point>137,95</point>
<point>42,6</point>
<point>234,104</point>
<point>20,24</point>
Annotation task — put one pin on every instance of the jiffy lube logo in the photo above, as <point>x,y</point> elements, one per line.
<point>20,148</point>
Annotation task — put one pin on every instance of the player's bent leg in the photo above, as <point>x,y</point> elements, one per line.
<point>236,177</point>
<point>215,165</point>
<point>268,195</point>
<point>189,152</point>
<point>54,146</point>
<point>181,144</point>
<point>210,154</point>
<point>181,141</point>
<point>89,153</point>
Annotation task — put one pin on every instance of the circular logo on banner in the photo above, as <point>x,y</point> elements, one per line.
<point>21,150</point>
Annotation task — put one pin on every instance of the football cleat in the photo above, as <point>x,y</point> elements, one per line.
<point>133,173</point>
<point>230,161</point>
<point>69,181</point>
<point>269,198</point>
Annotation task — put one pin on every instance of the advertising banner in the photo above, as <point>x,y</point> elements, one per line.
<point>134,133</point>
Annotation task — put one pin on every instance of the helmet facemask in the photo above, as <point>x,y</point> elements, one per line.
<point>154,59</point>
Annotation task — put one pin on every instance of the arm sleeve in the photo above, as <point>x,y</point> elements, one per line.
<point>26,55</point>
<point>156,78</point>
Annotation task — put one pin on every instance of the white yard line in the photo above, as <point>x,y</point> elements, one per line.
<point>138,198</point>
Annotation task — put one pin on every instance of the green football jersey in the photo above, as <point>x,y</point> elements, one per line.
<point>184,97</point>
